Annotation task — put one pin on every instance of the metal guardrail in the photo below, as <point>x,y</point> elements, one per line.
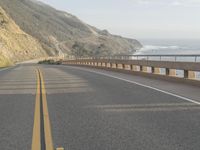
<point>174,58</point>
<point>171,58</point>
<point>189,65</point>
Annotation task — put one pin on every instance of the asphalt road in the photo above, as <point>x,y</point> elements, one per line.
<point>92,111</point>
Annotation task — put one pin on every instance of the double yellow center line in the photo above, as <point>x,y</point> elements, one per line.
<point>42,136</point>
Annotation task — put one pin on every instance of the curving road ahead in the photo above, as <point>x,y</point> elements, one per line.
<point>99,110</point>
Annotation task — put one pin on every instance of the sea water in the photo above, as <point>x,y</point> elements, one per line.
<point>171,47</point>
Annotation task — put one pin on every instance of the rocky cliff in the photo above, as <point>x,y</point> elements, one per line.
<point>15,44</point>
<point>61,31</point>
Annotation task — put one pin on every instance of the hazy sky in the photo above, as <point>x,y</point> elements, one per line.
<point>138,18</point>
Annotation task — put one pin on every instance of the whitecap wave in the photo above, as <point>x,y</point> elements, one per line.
<point>154,49</point>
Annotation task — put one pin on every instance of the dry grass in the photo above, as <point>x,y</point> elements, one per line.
<point>4,62</point>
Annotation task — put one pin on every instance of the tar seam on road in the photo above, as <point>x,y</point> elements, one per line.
<point>139,84</point>
<point>42,137</point>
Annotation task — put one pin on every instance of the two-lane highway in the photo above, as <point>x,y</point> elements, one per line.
<point>95,111</point>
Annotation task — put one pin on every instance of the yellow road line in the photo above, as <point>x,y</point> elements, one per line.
<point>41,128</point>
<point>47,126</point>
<point>36,141</point>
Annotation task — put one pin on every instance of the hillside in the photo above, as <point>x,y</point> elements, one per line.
<point>61,31</point>
<point>15,44</point>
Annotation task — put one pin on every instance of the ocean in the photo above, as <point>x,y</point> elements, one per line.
<point>171,47</point>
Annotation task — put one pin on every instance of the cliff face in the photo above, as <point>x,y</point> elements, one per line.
<point>15,44</point>
<point>61,31</point>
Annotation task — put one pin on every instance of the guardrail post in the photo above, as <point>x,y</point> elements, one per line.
<point>172,72</point>
<point>144,68</point>
<point>113,65</point>
<point>135,68</point>
<point>106,64</point>
<point>156,70</point>
<point>191,75</point>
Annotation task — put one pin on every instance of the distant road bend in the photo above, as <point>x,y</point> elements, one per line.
<point>43,107</point>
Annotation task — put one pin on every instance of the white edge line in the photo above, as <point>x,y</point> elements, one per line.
<point>143,85</point>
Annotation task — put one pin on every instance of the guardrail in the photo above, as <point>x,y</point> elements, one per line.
<point>145,64</point>
<point>174,58</point>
